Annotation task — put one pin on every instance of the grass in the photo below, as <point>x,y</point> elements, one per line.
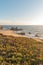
<point>20,51</point>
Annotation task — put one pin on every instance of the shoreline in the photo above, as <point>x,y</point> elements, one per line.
<point>12,33</point>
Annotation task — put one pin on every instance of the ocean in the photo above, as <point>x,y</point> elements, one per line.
<point>33,29</point>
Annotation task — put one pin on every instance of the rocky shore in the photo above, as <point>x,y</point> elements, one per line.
<point>12,33</point>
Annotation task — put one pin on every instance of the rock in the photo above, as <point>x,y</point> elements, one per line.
<point>15,29</point>
<point>22,33</point>
<point>1,27</point>
<point>29,32</point>
<point>37,35</point>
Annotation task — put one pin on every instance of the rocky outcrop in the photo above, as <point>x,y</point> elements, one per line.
<point>22,33</point>
<point>1,27</point>
<point>15,29</point>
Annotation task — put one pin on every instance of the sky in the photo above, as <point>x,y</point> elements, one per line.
<point>21,12</point>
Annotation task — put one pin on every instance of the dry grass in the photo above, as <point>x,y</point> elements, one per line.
<point>20,51</point>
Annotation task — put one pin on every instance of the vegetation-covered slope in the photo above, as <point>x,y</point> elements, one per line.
<point>20,51</point>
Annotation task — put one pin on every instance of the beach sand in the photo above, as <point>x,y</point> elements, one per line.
<point>38,39</point>
<point>12,33</point>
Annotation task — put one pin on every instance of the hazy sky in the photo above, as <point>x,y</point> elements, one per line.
<point>21,12</point>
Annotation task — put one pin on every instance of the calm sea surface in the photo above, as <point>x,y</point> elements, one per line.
<point>33,29</point>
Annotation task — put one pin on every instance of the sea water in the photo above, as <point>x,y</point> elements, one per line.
<point>33,29</point>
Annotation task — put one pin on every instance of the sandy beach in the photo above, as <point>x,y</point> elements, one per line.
<point>37,39</point>
<point>12,33</point>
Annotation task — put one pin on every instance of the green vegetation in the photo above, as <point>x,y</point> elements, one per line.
<point>20,51</point>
